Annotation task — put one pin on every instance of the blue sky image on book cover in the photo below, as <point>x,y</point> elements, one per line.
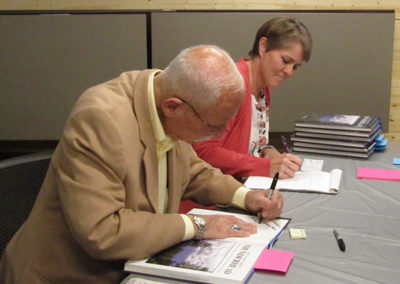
<point>202,255</point>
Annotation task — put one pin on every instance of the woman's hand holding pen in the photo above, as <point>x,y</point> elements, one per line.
<point>257,201</point>
<point>286,164</point>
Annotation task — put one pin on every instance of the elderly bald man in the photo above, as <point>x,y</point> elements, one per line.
<point>121,168</point>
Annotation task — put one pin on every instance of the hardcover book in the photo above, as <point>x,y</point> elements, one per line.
<point>340,132</point>
<point>369,139</point>
<point>333,152</point>
<point>335,148</point>
<point>312,141</point>
<point>339,121</point>
<point>228,260</point>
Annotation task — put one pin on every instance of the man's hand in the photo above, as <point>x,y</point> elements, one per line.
<point>286,164</point>
<point>221,227</point>
<point>257,201</point>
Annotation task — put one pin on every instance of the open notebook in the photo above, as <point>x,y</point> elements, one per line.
<point>312,181</point>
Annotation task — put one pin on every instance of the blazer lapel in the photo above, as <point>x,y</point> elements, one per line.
<point>174,190</point>
<point>151,176</point>
<point>141,107</point>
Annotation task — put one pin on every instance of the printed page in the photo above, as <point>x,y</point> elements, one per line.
<point>319,181</point>
<point>315,180</point>
<point>336,176</point>
<point>309,165</point>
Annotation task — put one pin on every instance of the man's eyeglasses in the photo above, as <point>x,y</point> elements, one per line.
<point>211,128</point>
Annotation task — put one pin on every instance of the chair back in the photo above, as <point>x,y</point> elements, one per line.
<point>20,182</point>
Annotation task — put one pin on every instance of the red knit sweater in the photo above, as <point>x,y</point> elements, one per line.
<point>230,152</point>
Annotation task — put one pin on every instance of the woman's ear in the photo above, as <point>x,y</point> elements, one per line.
<point>262,45</point>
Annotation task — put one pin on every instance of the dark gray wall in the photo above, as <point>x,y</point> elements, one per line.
<point>47,61</point>
<point>349,71</point>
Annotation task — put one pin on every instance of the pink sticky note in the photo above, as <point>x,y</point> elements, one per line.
<point>274,260</point>
<point>383,174</point>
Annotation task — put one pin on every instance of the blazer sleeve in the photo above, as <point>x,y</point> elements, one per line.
<point>90,170</point>
<point>207,184</point>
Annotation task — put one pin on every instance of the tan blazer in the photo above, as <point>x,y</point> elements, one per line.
<point>98,204</point>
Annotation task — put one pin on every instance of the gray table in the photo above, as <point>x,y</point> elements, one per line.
<point>365,212</point>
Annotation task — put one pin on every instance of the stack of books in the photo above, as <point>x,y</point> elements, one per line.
<point>342,135</point>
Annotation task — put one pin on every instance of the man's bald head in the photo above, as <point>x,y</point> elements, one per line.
<point>200,75</point>
<point>198,93</point>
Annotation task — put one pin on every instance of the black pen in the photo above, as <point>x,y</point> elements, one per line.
<point>271,191</point>
<point>285,146</point>
<point>339,240</point>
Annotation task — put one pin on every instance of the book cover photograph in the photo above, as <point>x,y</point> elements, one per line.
<point>201,255</point>
<point>226,260</point>
<point>339,119</point>
<point>229,260</point>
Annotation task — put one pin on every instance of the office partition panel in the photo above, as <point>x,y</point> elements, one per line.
<point>48,60</point>
<point>349,71</point>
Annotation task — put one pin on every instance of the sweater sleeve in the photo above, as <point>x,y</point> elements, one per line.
<point>231,162</point>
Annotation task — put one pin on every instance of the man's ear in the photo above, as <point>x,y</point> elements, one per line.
<point>262,45</point>
<point>171,106</point>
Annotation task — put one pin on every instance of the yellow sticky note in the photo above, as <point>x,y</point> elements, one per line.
<point>297,233</point>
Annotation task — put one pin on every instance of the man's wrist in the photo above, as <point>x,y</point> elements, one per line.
<point>239,197</point>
